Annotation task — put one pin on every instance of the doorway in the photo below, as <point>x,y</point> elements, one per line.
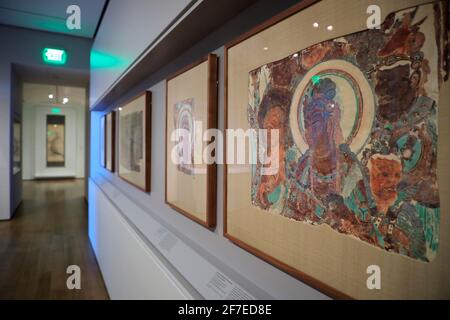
<point>54,128</point>
<point>52,111</point>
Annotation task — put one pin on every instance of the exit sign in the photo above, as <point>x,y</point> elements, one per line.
<point>54,56</point>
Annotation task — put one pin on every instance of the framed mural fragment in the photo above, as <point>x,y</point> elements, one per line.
<point>110,141</point>
<point>103,141</point>
<point>191,110</point>
<point>135,141</point>
<point>355,112</point>
<point>17,146</point>
<point>56,141</point>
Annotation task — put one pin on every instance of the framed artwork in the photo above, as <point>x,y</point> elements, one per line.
<point>191,108</point>
<point>17,146</point>
<point>353,181</point>
<point>103,141</point>
<point>56,141</point>
<point>135,141</point>
<point>110,141</point>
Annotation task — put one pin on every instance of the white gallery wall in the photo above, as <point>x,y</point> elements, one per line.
<point>36,105</point>
<point>121,253</point>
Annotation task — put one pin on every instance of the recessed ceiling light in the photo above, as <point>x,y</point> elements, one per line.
<point>330,28</point>
<point>50,96</point>
<point>266,48</point>
<point>315,25</point>
<point>65,100</point>
<point>120,108</point>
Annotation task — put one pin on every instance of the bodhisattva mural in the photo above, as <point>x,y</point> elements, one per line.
<point>357,121</point>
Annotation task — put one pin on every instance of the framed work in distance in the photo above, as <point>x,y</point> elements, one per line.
<point>134,141</point>
<point>17,146</point>
<point>103,141</point>
<point>191,109</point>
<point>110,141</point>
<point>56,141</point>
<point>355,183</point>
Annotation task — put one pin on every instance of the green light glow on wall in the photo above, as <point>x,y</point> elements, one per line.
<point>54,56</point>
<point>56,110</point>
<point>101,60</point>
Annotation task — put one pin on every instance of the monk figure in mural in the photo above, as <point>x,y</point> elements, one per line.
<point>273,116</point>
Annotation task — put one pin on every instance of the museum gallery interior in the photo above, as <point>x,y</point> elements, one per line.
<point>224,150</point>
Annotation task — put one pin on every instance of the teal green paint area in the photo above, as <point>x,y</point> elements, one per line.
<point>101,60</point>
<point>316,79</point>
<point>56,110</point>
<point>54,56</point>
<point>415,153</point>
<point>275,195</point>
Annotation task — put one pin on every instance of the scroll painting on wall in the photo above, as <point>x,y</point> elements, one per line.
<point>56,141</point>
<point>17,146</point>
<point>357,118</point>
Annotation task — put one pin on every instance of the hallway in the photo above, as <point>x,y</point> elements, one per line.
<point>48,234</point>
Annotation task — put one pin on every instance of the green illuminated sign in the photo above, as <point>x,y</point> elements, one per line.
<point>56,110</point>
<point>54,56</point>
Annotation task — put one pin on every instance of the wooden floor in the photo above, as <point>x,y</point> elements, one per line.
<point>47,234</point>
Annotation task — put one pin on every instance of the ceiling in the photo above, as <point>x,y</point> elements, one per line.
<point>38,94</point>
<point>51,75</point>
<point>51,16</point>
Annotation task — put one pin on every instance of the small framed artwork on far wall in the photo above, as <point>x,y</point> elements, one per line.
<point>103,141</point>
<point>17,146</point>
<point>110,141</point>
<point>134,141</point>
